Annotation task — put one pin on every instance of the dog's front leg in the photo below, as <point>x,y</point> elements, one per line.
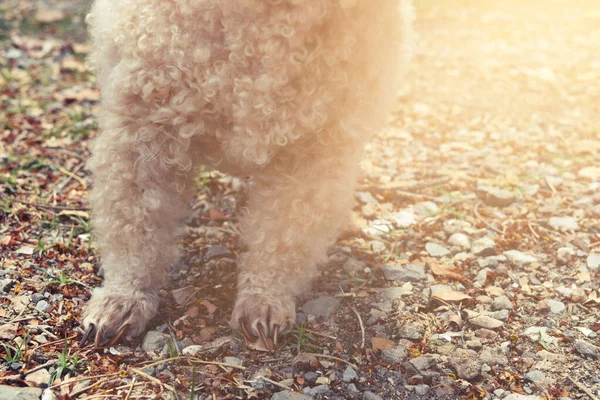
<point>139,179</point>
<point>295,211</point>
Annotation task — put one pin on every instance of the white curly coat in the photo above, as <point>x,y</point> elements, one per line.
<point>285,91</point>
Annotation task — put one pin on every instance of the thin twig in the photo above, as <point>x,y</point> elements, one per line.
<point>130,388</point>
<point>54,342</point>
<point>82,390</point>
<point>583,389</point>
<point>153,379</point>
<point>41,366</point>
<point>480,218</point>
<point>321,334</point>
<point>196,360</point>
<point>332,358</point>
<point>83,378</point>
<point>275,383</point>
<point>72,175</point>
<point>362,328</point>
<point>55,208</point>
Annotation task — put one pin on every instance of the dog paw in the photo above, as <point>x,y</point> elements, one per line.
<point>261,318</point>
<point>110,315</point>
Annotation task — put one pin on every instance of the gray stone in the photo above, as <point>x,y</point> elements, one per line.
<point>40,377</point>
<point>519,258</point>
<point>366,198</point>
<point>404,273</point>
<point>565,254</point>
<point>13,53</point>
<point>154,342</point>
<point>502,303</point>
<point>411,331</point>
<point>369,211</point>
<point>425,361</point>
<point>426,209</point>
<point>48,394</point>
<point>349,374</point>
<point>587,349</point>
<point>461,240</point>
<point>553,306</point>
<point>217,251</point>
<point>6,285</point>
<point>311,377</point>
<point>422,390</point>
<point>484,246</point>
<point>395,355</point>
<point>395,293</point>
<point>494,196</point>
<point>324,306</point>
<point>481,278</point>
<point>377,246</point>
<point>19,393</point>
<point>517,396</point>
<point>493,356</point>
<point>456,225</point>
<point>436,250</point>
<point>483,321</point>
<point>564,223</point>
<point>42,306</point>
<point>404,218</point>
<point>233,361</point>
<point>501,315</point>
<point>288,395</point>
<point>491,261</point>
<point>352,265</point>
<point>466,363</point>
<point>474,344</point>
<point>593,261</point>
<point>371,396</point>
<point>320,390</point>
<point>535,375</point>
<point>8,331</point>
<point>352,388</point>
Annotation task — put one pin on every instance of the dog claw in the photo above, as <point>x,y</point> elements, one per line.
<point>100,336</point>
<point>119,335</point>
<point>266,340</point>
<point>245,330</point>
<point>275,335</point>
<point>86,335</point>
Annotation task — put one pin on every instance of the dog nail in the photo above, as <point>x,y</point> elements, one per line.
<point>86,335</point>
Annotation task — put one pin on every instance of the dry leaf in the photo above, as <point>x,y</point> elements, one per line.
<point>448,271</point>
<point>451,296</point>
<point>5,240</point>
<point>74,213</point>
<point>382,343</point>
<point>455,319</point>
<point>593,299</point>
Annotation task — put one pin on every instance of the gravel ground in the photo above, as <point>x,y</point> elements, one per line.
<point>474,271</point>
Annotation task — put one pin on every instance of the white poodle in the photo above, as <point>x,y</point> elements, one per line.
<point>285,91</point>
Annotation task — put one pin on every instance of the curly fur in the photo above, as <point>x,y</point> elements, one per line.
<point>283,90</point>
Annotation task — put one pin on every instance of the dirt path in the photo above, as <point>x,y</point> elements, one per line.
<point>476,274</point>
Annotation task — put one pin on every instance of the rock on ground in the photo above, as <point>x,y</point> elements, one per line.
<point>324,306</point>
<point>287,395</point>
<point>19,393</point>
<point>403,273</point>
<point>519,258</point>
<point>466,363</point>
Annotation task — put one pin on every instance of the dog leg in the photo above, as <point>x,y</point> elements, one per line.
<point>295,211</point>
<point>137,201</point>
